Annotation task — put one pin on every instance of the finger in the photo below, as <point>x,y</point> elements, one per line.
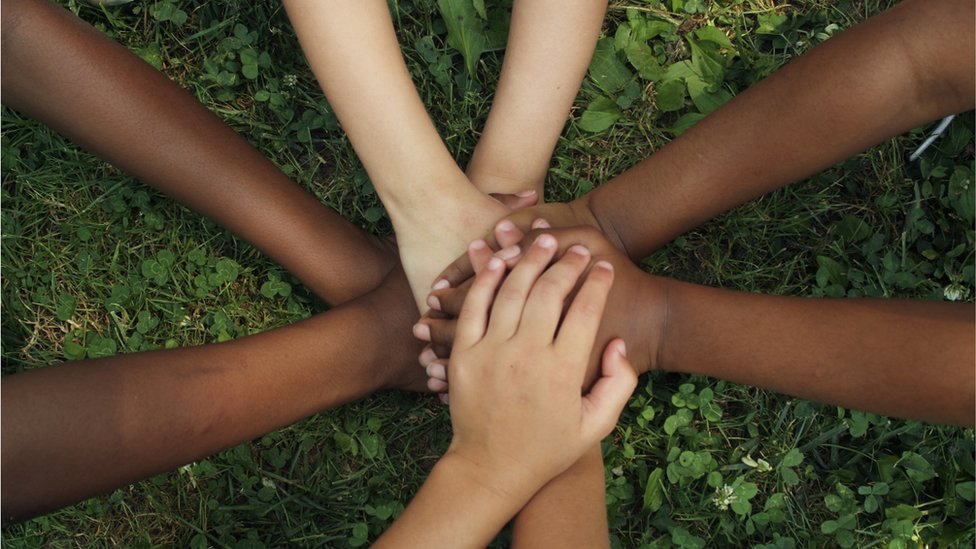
<point>545,304</point>
<point>442,331</point>
<point>506,313</point>
<point>427,356</point>
<point>507,233</point>
<point>421,330</point>
<point>450,300</point>
<point>473,318</point>
<point>438,370</point>
<point>479,253</point>
<point>436,385</point>
<point>585,313</point>
<point>609,395</point>
<point>442,351</point>
<point>517,201</point>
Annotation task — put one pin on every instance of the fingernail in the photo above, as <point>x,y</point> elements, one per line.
<point>440,284</point>
<point>525,194</point>
<point>622,348</point>
<point>545,241</point>
<point>510,252</point>
<point>541,224</point>
<point>578,250</point>
<point>505,225</point>
<point>477,244</point>
<point>433,302</point>
<point>604,265</point>
<point>444,398</point>
<point>437,371</point>
<point>427,356</point>
<point>421,331</point>
<point>495,263</point>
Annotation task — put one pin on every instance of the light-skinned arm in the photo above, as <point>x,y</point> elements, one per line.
<point>352,48</point>
<point>518,416</point>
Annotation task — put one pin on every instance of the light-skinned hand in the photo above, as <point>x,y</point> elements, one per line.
<point>516,369</point>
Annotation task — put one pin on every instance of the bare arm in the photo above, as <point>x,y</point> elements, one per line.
<point>908,359</point>
<point>353,51</point>
<point>81,428</point>
<point>109,101</point>
<point>518,416</point>
<point>540,79</point>
<point>902,68</point>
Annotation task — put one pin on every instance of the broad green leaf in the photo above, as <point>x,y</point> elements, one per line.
<point>606,70</point>
<point>654,491</point>
<point>669,96</point>
<point>770,23</point>
<point>465,31</point>
<point>830,271</point>
<point>706,101</point>
<point>715,36</point>
<point>643,59</point>
<point>599,115</point>
<point>708,63</point>
<point>965,490</point>
<point>792,458</point>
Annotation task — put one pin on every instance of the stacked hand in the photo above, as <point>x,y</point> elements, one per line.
<point>635,311</point>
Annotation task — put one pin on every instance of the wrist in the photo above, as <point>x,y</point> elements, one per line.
<point>647,346</point>
<point>502,486</point>
<point>592,208</point>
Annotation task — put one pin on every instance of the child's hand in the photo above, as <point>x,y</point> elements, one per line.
<point>516,406</point>
<point>635,310</point>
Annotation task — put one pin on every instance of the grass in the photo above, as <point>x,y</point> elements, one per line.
<point>80,238</point>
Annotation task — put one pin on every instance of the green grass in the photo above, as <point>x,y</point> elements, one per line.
<point>82,243</point>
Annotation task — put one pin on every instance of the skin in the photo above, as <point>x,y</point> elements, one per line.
<point>540,77</point>
<point>81,428</point>
<point>160,134</point>
<point>519,418</point>
<point>903,68</point>
<point>907,66</point>
<point>833,347</point>
<point>422,187</point>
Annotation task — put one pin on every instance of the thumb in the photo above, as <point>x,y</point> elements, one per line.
<point>519,200</point>
<point>610,393</point>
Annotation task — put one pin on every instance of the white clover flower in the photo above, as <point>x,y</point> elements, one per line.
<point>955,292</point>
<point>289,80</point>
<point>724,497</point>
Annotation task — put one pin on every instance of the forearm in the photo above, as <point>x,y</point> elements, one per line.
<point>539,82</point>
<point>908,66</point>
<point>352,48</point>
<point>569,511</point>
<point>109,101</point>
<point>909,359</point>
<point>457,508</point>
<point>81,428</point>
